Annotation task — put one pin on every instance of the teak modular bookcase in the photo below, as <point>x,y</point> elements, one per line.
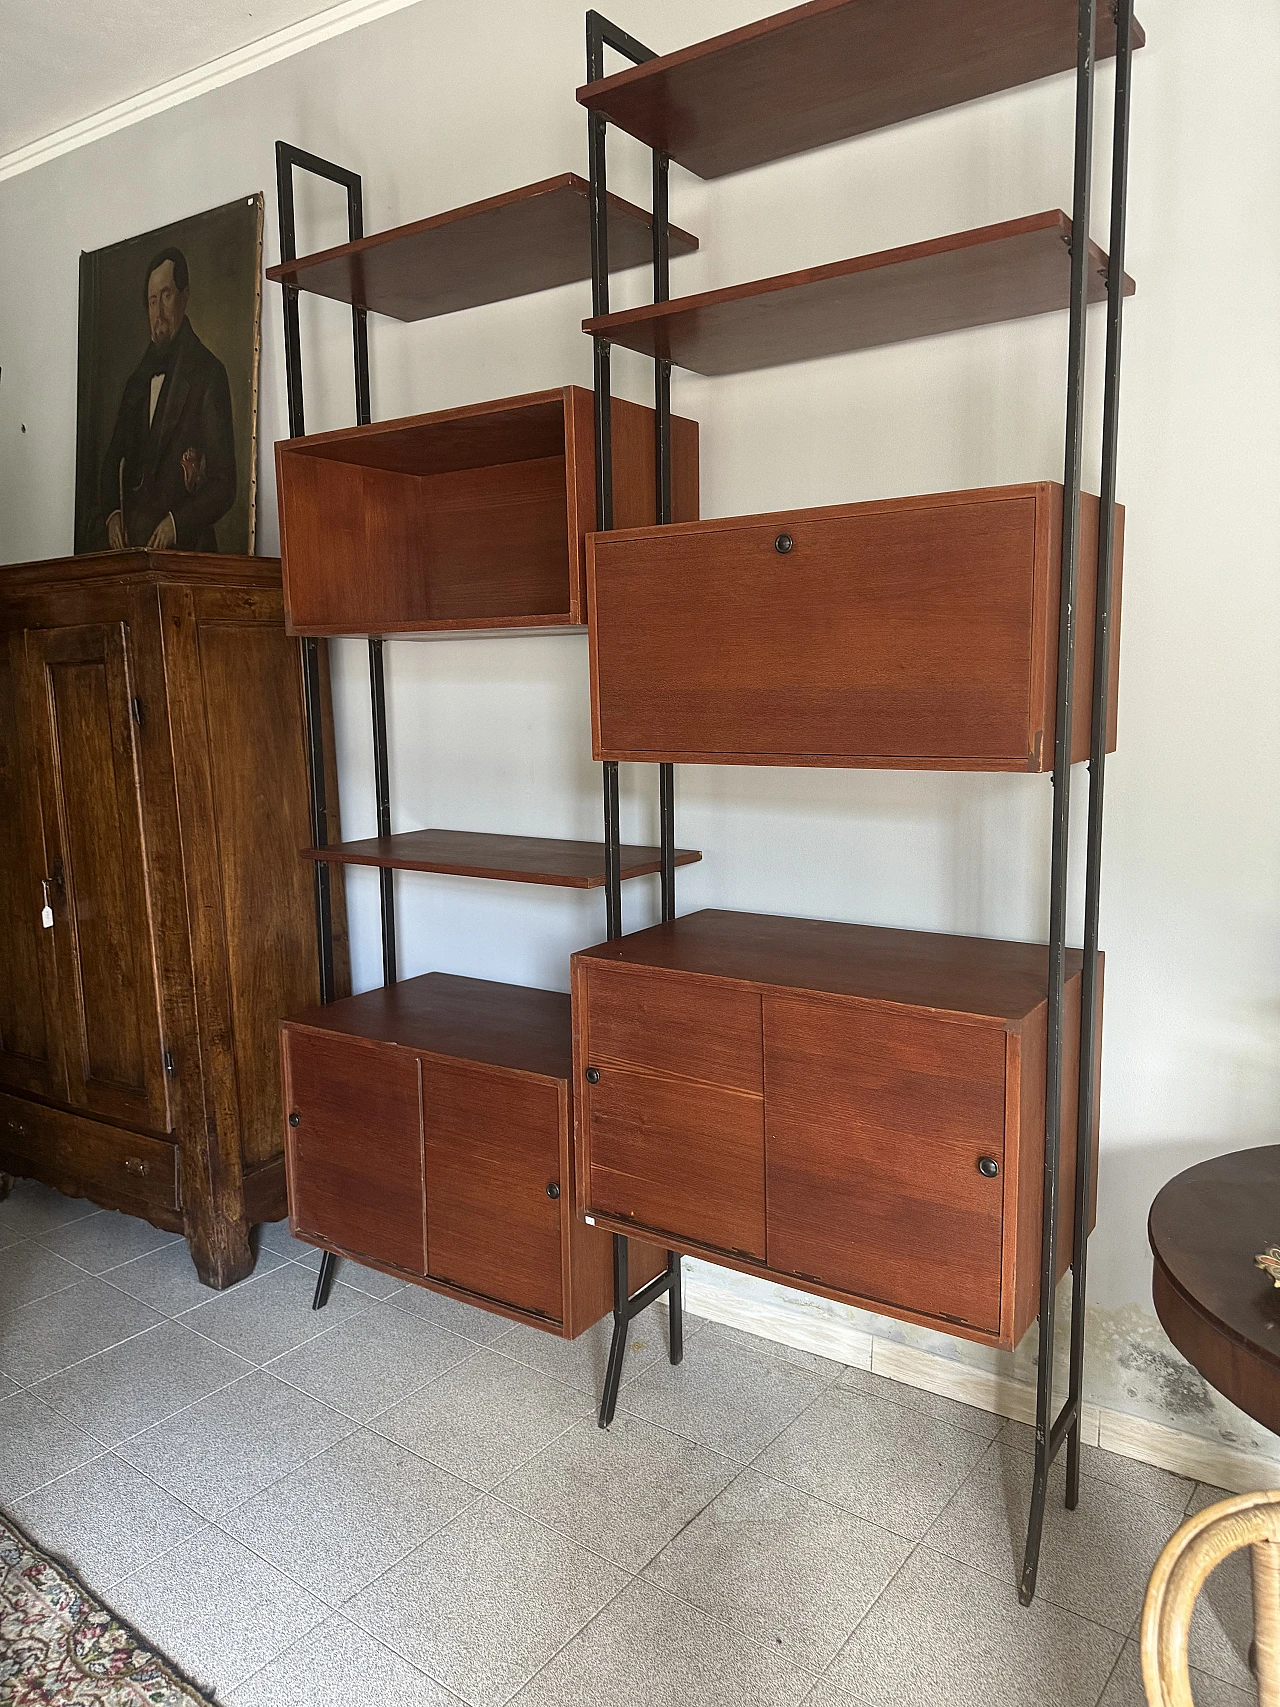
<point>428,1122</point>
<point>902,1120</point>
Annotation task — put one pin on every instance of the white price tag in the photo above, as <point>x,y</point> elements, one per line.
<point>46,917</point>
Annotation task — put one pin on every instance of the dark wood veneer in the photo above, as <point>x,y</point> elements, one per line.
<point>818,73</point>
<point>506,859</point>
<point>995,273</point>
<point>1223,1314</point>
<point>531,239</point>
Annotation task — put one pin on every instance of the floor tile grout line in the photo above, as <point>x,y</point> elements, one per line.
<point>10,1500</point>
<point>580,1631</point>
<point>734,1630</point>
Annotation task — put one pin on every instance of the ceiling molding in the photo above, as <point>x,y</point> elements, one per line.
<point>227,68</point>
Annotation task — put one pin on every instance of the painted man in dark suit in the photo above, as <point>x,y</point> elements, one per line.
<point>170,469</point>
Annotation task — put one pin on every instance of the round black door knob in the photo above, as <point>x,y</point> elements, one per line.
<point>553,1190</point>
<point>783,543</point>
<point>295,1119</point>
<point>988,1166</point>
<point>593,1075</point>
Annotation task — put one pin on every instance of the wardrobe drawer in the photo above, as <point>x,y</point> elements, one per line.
<point>122,1169</point>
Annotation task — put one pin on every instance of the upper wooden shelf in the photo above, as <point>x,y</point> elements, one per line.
<point>833,69</point>
<point>999,272</point>
<point>527,240</point>
<point>506,859</point>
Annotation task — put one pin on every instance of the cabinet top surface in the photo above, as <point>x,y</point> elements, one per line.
<point>832,69</point>
<point>470,1019</point>
<point>975,976</point>
<point>182,568</point>
<point>1036,491</point>
<point>531,239</point>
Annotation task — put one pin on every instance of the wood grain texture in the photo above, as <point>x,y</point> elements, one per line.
<point>818,73</point>
<point>983,277</point>
<point>893,1062</point>
<point>531,239</point>
<point>28,1033</point>
<point>1223,1314</point>
<point>876,1123</point>
<point>78,694</point>
<point>506,859</point>
<point>910,633</point>
<point>493,1146</point>
<point>466,518</point>
<point>355,1152</point>
<point>168,786</point>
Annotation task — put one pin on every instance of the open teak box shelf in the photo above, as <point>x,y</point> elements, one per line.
<point>467,518</point>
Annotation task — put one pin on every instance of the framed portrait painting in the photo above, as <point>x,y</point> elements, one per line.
<point>167,407</point>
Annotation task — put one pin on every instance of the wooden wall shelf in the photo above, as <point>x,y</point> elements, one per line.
<point>530,239</point>
<point>465,518</point>
<point>853,1111</point>
<point>995,273</point>
<point>425,1115</point>
<point>914,633</point>
<point>506,859</point>
<point>833,69</point>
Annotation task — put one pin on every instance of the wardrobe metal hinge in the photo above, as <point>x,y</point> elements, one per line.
<point>139,714</point>
<point>168,1060</point>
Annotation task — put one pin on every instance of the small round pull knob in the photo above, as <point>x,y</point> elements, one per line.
<point>553,1190</point>
<point>593,1075</point>
<point>988,1166</point>
<point>295,1119</point>
<point>783,543</point>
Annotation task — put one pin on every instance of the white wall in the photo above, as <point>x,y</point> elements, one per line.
<point>436,110</point>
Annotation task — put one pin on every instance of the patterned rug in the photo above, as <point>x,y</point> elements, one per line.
<point>60,1647</point>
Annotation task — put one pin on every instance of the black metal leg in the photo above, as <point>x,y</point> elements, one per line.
<point>675,1308</point>
<point>621,1322</point>
<point>324,1280</point>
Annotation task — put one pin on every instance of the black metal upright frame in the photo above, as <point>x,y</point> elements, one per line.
<point>1051,1431</point>
<point>601,33</point>
<point>289,158</point>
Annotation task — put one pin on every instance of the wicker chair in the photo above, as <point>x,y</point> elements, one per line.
<point>1249,1520</point>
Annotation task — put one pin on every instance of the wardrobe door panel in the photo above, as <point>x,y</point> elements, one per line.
<point>79,694</point>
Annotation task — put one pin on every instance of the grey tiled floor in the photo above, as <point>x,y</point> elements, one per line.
<point>405,1501</point>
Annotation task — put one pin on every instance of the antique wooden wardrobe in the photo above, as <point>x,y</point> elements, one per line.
<point>155,918</point>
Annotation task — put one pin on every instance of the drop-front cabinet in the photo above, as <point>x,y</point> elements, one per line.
<point>853,1111</point>
<point>155,920</point>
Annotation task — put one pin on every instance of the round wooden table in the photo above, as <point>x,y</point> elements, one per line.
<point>1222,1312</point>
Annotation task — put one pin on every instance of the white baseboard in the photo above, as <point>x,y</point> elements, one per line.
<point>1155,1443</point>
